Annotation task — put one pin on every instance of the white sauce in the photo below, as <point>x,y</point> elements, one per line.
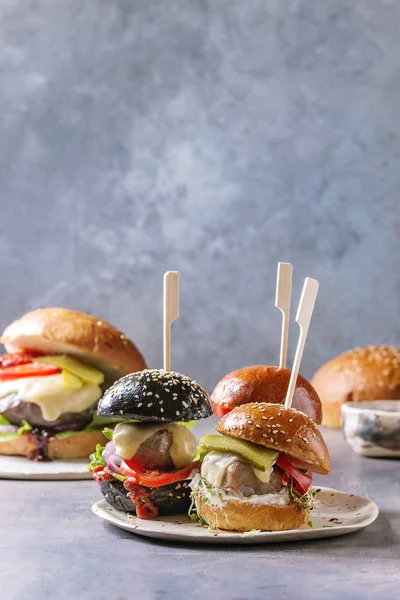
<point>49,393</point>
<point>213,470</point>
<point>129,436</point>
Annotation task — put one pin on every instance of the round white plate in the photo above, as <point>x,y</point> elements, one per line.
<point>336,513</point>
<point>19,467</point>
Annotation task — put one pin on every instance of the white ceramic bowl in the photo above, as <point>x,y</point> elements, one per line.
<point>373,428</point>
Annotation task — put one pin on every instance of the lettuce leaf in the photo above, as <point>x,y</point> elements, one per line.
<point>97,458</point>
<point>25,427</point>
<point>4,421</point>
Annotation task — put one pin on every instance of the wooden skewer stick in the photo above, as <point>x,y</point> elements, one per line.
<point>282,302</point>
<point>171,312</point>
<point>303,318</point>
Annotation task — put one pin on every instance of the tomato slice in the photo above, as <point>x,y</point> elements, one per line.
<point>131,469</point>
<point>20,358</point>
<point>221,411</point>
<point>28,370</point>
<point>302,481</point>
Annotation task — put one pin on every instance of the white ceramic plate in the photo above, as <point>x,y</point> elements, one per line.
<point>19,467</point>
<point>336,513</point>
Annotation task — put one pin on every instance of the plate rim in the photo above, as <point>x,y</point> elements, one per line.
<point>63,472</point>
<point>240,537</point>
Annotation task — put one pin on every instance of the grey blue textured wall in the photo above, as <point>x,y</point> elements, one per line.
<point>212,137</point>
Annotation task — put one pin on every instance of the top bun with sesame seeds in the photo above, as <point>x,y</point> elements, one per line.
<point>262,383</point>
<point>283,429</point>
<point>359,375</point>
<point>64,331</point>
<point>156,395</point>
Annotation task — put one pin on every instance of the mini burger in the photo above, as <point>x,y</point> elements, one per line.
<point>262,383</point>
<point>257,474</point>
<point>146,466</point>
<point>58,364</point>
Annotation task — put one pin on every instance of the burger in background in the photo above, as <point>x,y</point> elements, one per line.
<point>359,375</point>
<point>58,364</point>
<point>262,383</point>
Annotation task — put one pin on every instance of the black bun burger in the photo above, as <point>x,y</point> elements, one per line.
<point>146,466</point>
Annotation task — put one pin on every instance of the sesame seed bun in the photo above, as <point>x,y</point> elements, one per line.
<point>78,445</point>
<point>237,515</point>
<point>283,429</point>
<point>156,395</point>
<point>261,383</point>
<point>359,375</point>
<point>64,331</point>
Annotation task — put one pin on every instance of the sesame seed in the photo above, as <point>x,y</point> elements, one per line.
<point>271,440</point>
<point>99,323</point>
<point>264,435</point>
<point>275,431</point>
<point>288,440</point>
<point>161,402</point>
<point>258,426</point>
<point>275,443</point>
<point>156,395</point>
<point>149,393</point>
<point>271,418</point>
<point>279,414</point>
<point>140,404</point>
<point>161,410</point>
<point>150,405</point>
<point>167,389</point>
<point>177,413</point>
<point>290,420</point>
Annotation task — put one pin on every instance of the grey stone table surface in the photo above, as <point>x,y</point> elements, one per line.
<point>52,546</point>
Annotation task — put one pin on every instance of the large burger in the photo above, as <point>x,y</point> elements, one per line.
<point>262,383</point>
<point>257,474</point>
<point>58,364</point>
<point>146,466</point>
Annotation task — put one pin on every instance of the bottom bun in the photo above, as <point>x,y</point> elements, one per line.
<point>172,499</point>
<point>237,515</point>
<point>78,445</point>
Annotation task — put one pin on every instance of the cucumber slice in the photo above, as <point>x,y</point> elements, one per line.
<point>262,458</point>
<point>71,382</point>
<point>67,363</point>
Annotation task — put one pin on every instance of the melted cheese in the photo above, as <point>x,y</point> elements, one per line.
<point>214,466</point>
<point>129,436</point>
<point>51,395</point>
<point>216,463</point>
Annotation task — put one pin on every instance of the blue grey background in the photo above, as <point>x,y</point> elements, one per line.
<point>215,138</point>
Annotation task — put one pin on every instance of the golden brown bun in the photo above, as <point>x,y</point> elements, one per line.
<point>262,383</point>
<point>283,429</point>
<point>244,516</point>
<point>64,331</point>
<point>360,375</point>
<point>79,445</point>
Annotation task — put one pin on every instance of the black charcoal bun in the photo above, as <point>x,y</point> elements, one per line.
<point>172,499</point>
<point>156,395</point>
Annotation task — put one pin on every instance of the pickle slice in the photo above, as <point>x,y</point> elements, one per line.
<point>71,382</point>
<point>260,457</point>
<point>67,363</point>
